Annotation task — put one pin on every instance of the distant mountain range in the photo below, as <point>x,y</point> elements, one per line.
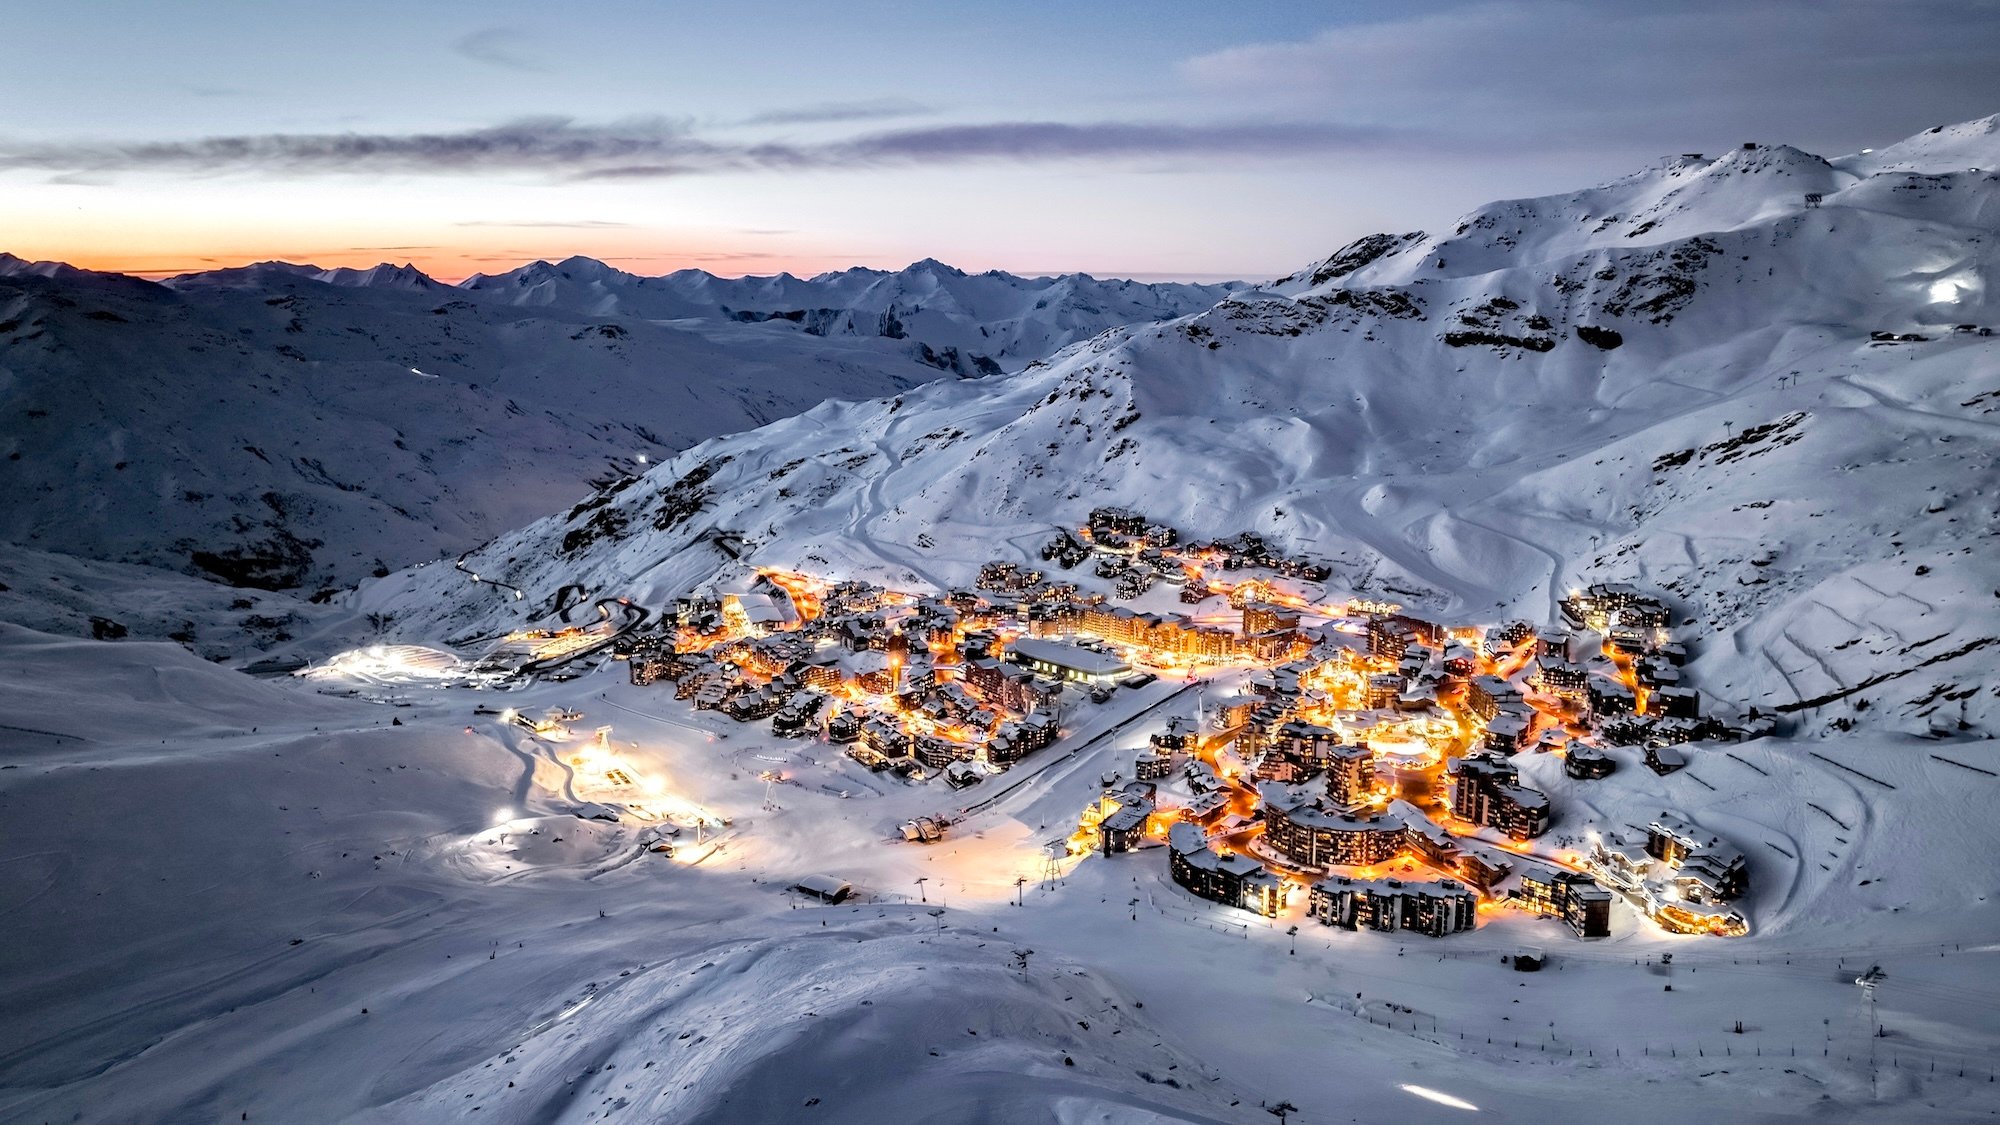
<point>970,324</point>
<point>287,426</point>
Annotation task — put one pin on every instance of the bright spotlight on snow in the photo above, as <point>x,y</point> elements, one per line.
<point>1431,1095</point>
<point>642,458</point>
<point>502,816</point>
<point>1944,292</point>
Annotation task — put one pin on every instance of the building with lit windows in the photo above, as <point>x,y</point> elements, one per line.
<point>1486,790</point>
<point>1394,905</point>
<point>1233,880</point>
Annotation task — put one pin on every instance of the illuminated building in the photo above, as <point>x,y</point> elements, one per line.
<point>1066,662</point>
<point>1605,605</point>
<point>1607,698</point>
<point>1124,829</point>
<point>1151,765</point>
<point>1382,691</point>
<point>1298,829</point>
<point>1017,738</point>
<point>1557,676</point>
<point>1485,694</point>
<point>1663,759</point>
<point>1675,702</point>
<point>1711,870</point>
<point>1569,895</point>
<point>1504,639</point>
<point>936,753</point>
<point>798,714</point>
<point>1506,733</point>
<point>1587,763</point>
<point>844,727</point>
<point>1552,643</point>
<point>1181,735</point>
<point>1233,880</point>
<point>1486,791</point>
<point>1263,617</point>
<point>886,737</point>
<point>1393,905</point>
<point>1009,686</point>
<point>1117,521</point>
<point>1390,635</point>
<point>1350,775</point>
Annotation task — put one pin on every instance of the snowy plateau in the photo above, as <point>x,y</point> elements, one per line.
<point>332,787</point>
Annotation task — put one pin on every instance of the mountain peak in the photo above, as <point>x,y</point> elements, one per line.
<point>933,266</point>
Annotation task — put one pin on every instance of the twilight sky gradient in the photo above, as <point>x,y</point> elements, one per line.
<point>1154,139</point>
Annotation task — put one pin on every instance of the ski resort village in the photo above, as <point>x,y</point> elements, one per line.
<point>1299,762</point>
<point>1373,654</point>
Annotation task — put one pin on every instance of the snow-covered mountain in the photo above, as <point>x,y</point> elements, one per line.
<point>1677,377</point>
<point>282,426</point>
<point>970,323</point>
<point>935,314</point>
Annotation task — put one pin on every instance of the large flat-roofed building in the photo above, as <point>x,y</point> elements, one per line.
<point>1066,661</point>
<point>1233,880</point>
<point>1392,905</point>
<point>1298,829</point>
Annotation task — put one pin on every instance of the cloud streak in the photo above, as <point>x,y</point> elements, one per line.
<point>501,47</point>
<point>657,147</point>
<point>835,112</point>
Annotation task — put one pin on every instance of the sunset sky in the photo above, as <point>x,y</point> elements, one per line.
<point>1153,140</point>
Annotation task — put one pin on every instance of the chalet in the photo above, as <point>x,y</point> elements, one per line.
<point>1607,698</point>
<point>886,737</point>
<point>1552,642</point>
<point>1663,759</point>
<point>1556,675</point>
<point>1181,734</point>
<point>1675,702</point>
<point>1504,639</point>
<point>1604,605</point>
<point>1116,521</point>
<point>1506,733</point>
<point>936,753</point>
<point>1587,763</point>
<point>844,727</point>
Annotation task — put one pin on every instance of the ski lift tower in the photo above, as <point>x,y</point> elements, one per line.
<point>1868,982</point>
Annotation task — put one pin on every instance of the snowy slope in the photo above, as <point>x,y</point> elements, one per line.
<point>1669,378</point>
<point>227,898</point>
<point>271,426</point>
